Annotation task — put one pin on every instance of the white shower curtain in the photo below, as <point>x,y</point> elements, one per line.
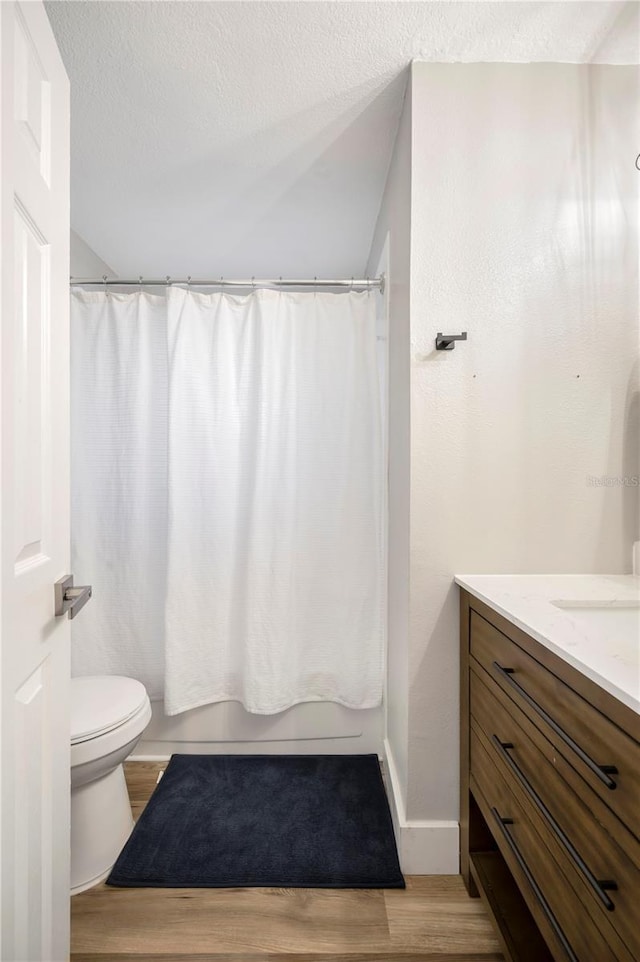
<point>119,483</point>
<point>262,523</point>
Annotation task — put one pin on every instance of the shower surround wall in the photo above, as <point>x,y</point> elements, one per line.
<point>511,210</point>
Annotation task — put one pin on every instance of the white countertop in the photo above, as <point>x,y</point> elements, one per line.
<point>600,653</point>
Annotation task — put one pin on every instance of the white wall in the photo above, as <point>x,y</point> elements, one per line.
<point>84,262</point>
<point>524,233</point>
<point>524,218</point>
<point>393,231</point>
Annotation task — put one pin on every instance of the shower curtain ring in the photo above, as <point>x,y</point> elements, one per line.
<point>104,281</point>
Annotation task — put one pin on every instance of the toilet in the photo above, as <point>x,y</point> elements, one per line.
<point>108,715</point>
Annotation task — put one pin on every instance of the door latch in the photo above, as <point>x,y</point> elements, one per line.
<point>68,598</point>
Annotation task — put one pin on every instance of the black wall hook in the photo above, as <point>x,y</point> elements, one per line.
<point>446,342</point>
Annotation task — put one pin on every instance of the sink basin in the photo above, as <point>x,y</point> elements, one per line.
<point>612,620</point>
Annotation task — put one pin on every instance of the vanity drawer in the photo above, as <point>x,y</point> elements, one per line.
<point>571,932</point>
<point>605,756</point>
<point>526,760</point>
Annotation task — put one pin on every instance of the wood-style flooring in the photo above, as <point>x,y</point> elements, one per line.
<point>433,920</point>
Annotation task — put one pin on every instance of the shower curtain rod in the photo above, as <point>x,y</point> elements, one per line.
<point>368,283</point>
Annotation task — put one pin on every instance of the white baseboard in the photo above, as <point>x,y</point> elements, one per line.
<point>425,847</point>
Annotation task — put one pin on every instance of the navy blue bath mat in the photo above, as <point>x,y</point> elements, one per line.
<point>286,821</point>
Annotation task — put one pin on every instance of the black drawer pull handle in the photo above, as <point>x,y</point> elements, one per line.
<point>597,885</point>
<point>537,891</point>
<point>603,772</point>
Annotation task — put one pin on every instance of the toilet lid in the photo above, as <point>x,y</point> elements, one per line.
<point>100,703</point>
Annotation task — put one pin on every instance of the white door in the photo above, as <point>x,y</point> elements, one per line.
<point>34,505</point>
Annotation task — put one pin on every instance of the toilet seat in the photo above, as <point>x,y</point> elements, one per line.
<point>100,704</point>
<point>107,713</point>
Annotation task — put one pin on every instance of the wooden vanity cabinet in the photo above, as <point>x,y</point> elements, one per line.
<point>550,798</point>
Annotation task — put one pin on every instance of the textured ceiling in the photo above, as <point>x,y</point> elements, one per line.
<point>253,138</point>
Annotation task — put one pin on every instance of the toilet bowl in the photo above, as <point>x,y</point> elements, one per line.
<point>108,715</point>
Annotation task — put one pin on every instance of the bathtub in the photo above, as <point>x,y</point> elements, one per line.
<point>225,727</point>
